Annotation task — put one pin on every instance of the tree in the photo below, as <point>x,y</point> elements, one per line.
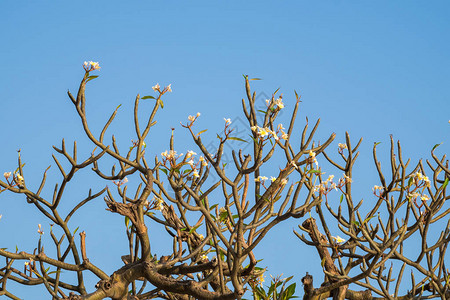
<point>235,209</point>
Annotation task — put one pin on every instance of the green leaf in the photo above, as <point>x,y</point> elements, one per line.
<point>342,198</point>
<point>262,111</point>
<point>147,97</point>
<point>445,183</point>
<point>410,180</point>
<point>356,223</point>
<point>76,229</point>
<point>54,272</point>
<point>435,146</point>
<point>160,102</point>
<point>202,132</point>
<point>91,77</point>
<point>376,144</point>
<point>322,263</point>
<point>212,207</point>
<point>313,171</point>
<point>164,170</point>
<point>237,139</point>
<point>127,222</point>
<point>255,79</point>
<point>17,249</point>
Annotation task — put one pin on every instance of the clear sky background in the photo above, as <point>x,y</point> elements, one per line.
<point>372,68</point>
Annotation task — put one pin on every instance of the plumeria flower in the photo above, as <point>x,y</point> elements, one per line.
<point>284,135</point>
<point>338,239</point>
<point>261,178</point>
<point>18,179</point>
<point>203,161</point>
<point>156,87</point>
<point>377,188</point>
<point>272,178</point>
<point>424,197</point>
<point>7,175</point>
<point>283,181</point>
<point>227,121</point>
<point>341,148</point>
<point>261,279</point>
<point>169,88</point>
<point>279,103</point>
<point>190,153</point>
<point>204,257</point>
<point>201,236</point>
<point>191,163</point>
<point>90,66</point>
<point>40,231</point>
<point>414,195</point>
<point>195,173</point>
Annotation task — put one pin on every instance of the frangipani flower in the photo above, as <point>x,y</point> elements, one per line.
<point>338,239</point>
<point>261,178</point>
<point>156,87</point>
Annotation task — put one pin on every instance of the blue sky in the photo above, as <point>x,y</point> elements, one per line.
<point>372,68</point>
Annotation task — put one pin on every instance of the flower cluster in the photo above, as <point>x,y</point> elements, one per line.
<point>341,148</point>
<point>263,132</point>
<point>421,180</point>
<point>192,119</point>
<point>171,156</point>
<point>121,182</point>
<point>276,104</point>
<point>157,88</point>
<point>326,186</point>
<point>158,204</point>
<point>312,159</point>
<point>262,179</point>
<point>90,66</point>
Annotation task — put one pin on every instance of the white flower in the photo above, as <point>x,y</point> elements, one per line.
<point>338,239</point>
<point>191,162</point>
<point>156,87</point>
<point>201,236</point>
<point>191,118</point>
<point>312,154</point>
<point>190,153</point>
<point>19,179</point>
<point>280,127</point>
<point>204,257</point>
<point>272,178</point>
<point>91,65</point>
<point>424,197</point>
<point>260,279</point>
<point>342,146</point>
<point>7,175</point>
<point>263,132</point>
<point>40,231</point>
<point>347,179</point>
<point>377,188</point>
<point>261,178</point>
<point>284,135</point>
<point>196,175</point>
<point>227,121</point>
<point>279,103</point>
<point>169,88</point>
<point>94,65</point>
<point>283,181</point>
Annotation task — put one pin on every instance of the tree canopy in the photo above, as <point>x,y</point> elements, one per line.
<point>217,213</point>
